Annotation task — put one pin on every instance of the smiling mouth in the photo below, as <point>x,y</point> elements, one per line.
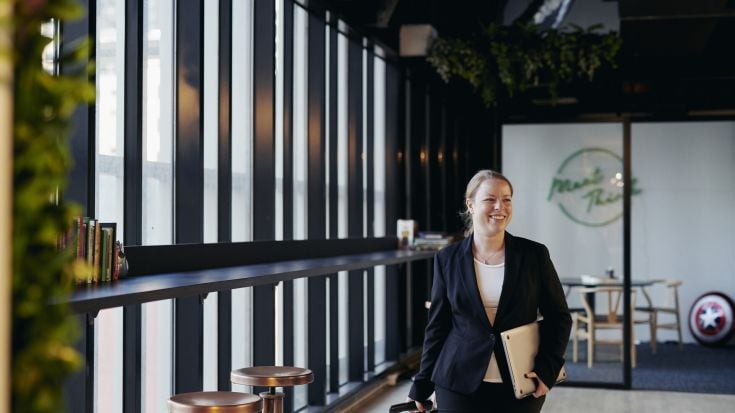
<point>497,217</point>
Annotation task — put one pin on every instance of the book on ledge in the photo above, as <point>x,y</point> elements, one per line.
<point>431,240</point>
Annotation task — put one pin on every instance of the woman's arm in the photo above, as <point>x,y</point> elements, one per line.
<point>435,334</point>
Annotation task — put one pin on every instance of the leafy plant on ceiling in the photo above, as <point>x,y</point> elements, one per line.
<point>43,335</point>
<point>502,61</point>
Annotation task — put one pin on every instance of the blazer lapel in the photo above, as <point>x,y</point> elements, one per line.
<point>469,279</point>
<point>510,278</point>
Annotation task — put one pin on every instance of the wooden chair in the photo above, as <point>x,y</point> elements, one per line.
<point>586,324</point>
<point>671,307</point>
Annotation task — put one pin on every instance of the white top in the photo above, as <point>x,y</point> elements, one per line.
<point>490,284</point>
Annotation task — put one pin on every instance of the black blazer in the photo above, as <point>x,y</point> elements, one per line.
<point>459,338</point>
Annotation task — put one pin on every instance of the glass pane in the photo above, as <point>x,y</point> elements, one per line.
<point>109,133</point>
<point>342,207</point>
<point>157,196</point>
<point>300,125</point>
<point>300,179</point>
<point>242,334</point>
<point>365,149</point>
<point>379,201</point>
<point>109,188</point>
<point>327,131</point>
<point>242,120</point>
<point>108,361</point>
<point>343,325</point>
<point>241,175</point>
<point>567,181</point>
<point>300,324</point>
<point>278,144</point>
<point>158,46</point>
<point>211,117</point>
<point>342,149</point>
<point>209,348</point>
<point>157,353</point>
<point>681,164</point>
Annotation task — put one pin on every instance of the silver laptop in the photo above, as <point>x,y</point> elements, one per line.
<point>521,345</point>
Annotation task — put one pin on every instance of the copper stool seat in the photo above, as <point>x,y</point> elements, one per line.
<point>272,377</point>
<point>214,401</point>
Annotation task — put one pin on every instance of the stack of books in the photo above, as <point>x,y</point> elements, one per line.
<point>94,243</point>
<point>431,240</point>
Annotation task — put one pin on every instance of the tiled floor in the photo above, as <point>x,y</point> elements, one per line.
<point>573,400</point>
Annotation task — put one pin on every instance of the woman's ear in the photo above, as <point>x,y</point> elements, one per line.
<point>468,204</point>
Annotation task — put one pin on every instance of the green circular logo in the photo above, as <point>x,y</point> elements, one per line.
<point>588,187</point>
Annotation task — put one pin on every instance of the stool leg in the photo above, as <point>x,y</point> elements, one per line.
<point>272,402</point>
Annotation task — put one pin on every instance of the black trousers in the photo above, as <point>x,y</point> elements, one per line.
<point>489,398</point>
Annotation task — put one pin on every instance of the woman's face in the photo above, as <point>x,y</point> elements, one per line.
<point>491,207</point>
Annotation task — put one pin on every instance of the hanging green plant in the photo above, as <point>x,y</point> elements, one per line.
<point>43,335</point>
<point>505,60</point>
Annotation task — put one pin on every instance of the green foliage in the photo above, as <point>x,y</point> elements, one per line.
<point>42,335</point>
<point>505,60</point>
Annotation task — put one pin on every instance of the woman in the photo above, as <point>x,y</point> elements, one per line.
<point>486,284</point>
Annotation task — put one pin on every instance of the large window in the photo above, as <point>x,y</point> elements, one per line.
<point>156,112</point>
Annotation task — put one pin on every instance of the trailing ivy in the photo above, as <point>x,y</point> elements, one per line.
<point>504,60</point>
<point>42,335</point>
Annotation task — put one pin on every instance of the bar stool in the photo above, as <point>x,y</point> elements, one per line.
<point>272,377</point>
<point>214,401</point>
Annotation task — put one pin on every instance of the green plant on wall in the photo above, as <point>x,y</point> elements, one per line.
<point>42,334</point>
<point>502,61</point>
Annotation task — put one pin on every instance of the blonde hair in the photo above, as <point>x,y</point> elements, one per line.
<point>474,183</point>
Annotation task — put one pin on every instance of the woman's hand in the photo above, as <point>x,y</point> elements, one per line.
<point>541,388</point>
<point>420,407</point>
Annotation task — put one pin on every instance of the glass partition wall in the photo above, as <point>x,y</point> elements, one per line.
<point>569,181</point>
<point>568,194</point>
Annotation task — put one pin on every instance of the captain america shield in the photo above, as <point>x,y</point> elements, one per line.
<point>711,319</point>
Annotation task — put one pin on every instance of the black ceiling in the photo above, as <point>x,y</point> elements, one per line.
<point>678,55</point>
